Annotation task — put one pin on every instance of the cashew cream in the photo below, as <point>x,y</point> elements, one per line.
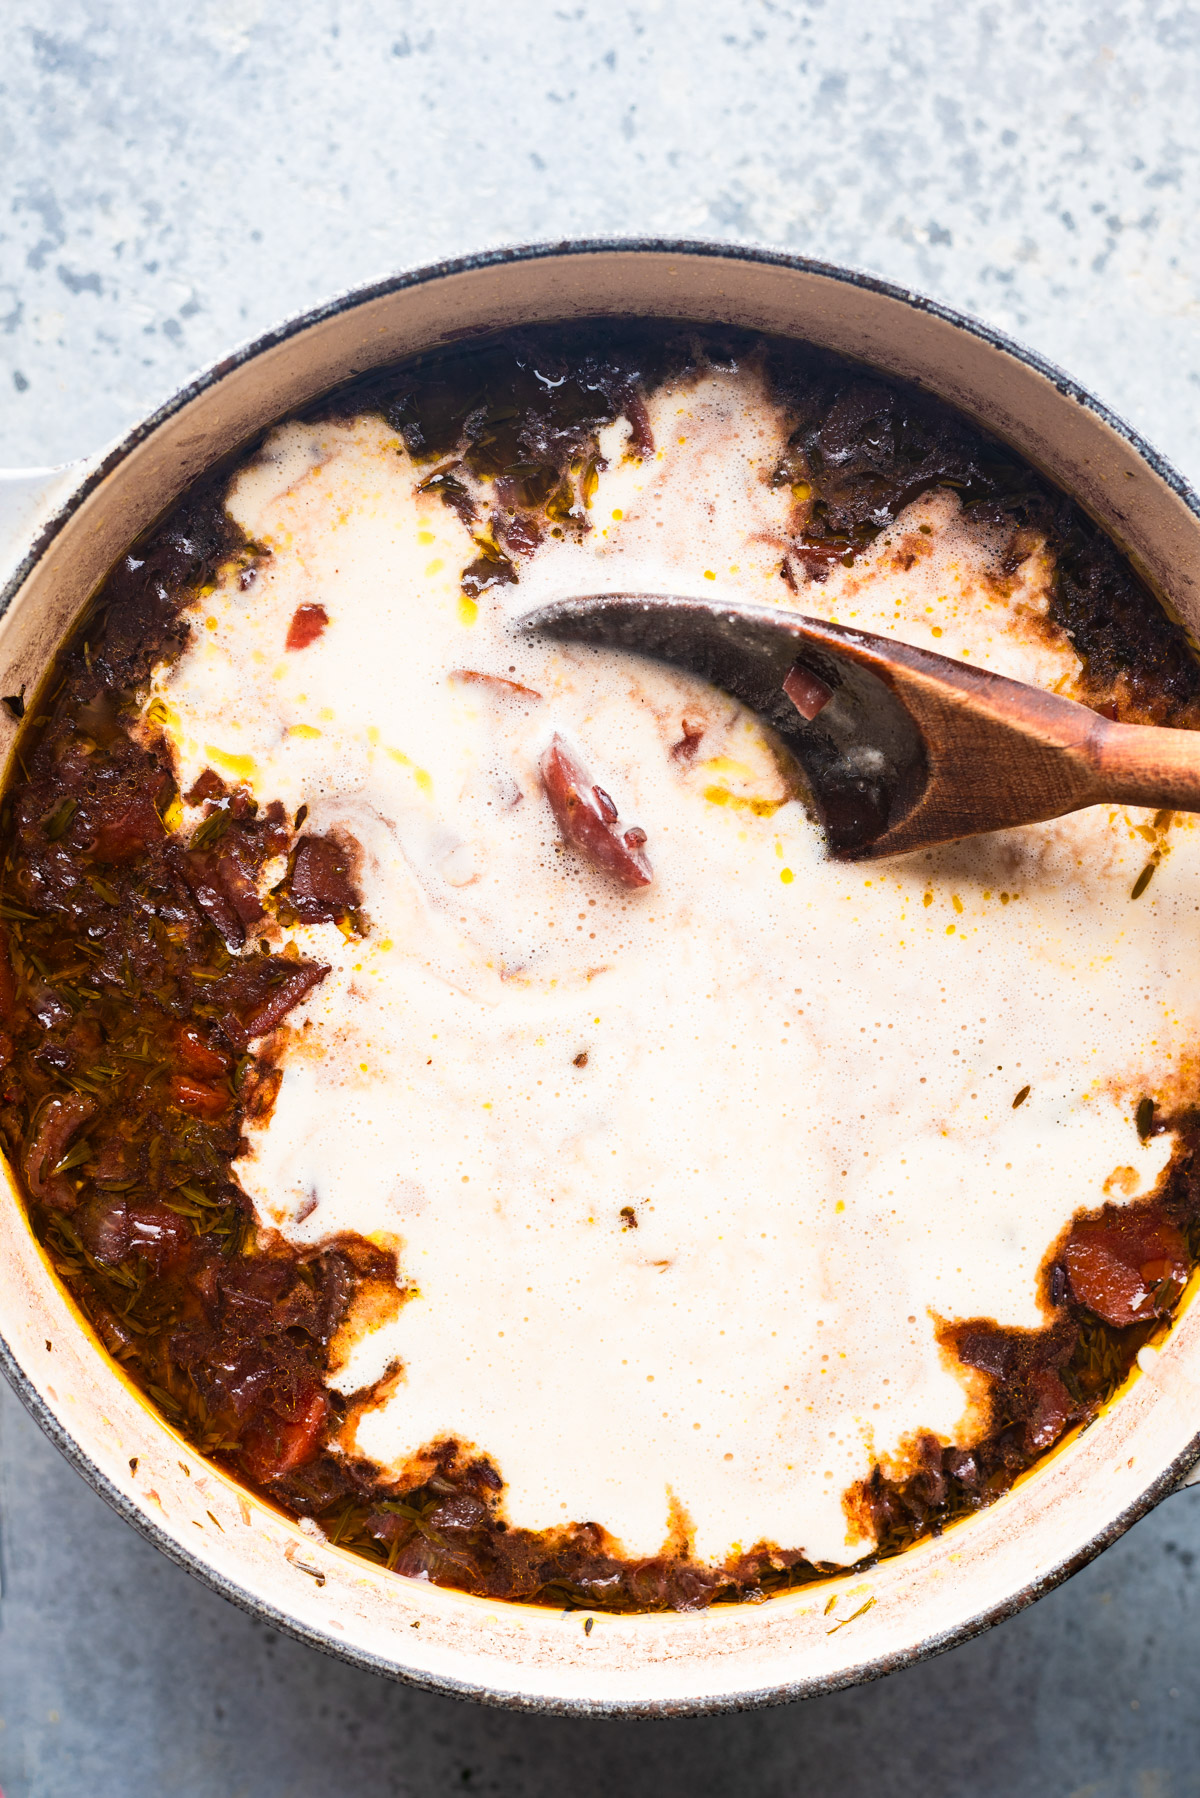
<point>683,1180</point>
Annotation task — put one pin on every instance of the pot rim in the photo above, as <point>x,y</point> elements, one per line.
<point>93,472</point>
<point>95,469</point>
<point>1172,1480</point>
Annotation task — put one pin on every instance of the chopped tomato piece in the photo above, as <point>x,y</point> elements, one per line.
<point>275,1446</point>
<point>269,994</point>
<point>321,884</point>
<point>488,570</point>
<point>1051,1409</point>
<point>113,1229</point>
<point>197,1098</point>
<point>587,818</point>
<point>240,891</point>
<point>129,834</point>
<point>207,785</point>
<point>307,624</point>
<point>288,994</point>
<point>104,1230</point>
<point>522,534</point>
<point>199,1056</point>
<point>202,876</point>
<point>158,1234</point>
<point>807,693</point>
<point>1118,1263</point>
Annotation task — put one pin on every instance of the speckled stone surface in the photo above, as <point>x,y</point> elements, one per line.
<point>174,178</point>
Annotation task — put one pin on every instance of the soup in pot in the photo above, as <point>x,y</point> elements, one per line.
<point>449,1070</point>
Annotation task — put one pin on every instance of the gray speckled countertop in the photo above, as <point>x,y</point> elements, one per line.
<point>175,178</point>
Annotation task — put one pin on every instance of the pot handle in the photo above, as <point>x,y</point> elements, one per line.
<point>28,497</point>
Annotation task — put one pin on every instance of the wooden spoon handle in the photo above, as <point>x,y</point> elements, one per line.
<point>1141,764</point>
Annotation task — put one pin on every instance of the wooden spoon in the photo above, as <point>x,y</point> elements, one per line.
<point>901,748</point>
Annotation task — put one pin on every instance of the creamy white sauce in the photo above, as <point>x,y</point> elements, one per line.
<point>799,1074</point>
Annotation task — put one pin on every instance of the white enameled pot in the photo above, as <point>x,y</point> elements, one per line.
<point>60,531</point>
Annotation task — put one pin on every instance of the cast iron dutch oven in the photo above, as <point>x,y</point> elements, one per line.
<point>61,530</point>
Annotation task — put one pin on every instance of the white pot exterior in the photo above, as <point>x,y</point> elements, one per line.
<point>60,531</point>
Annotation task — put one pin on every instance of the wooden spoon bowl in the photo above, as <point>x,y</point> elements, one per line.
<point>901,748</point>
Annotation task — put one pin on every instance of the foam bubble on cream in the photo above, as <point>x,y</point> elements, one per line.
<point>799,1075</point>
